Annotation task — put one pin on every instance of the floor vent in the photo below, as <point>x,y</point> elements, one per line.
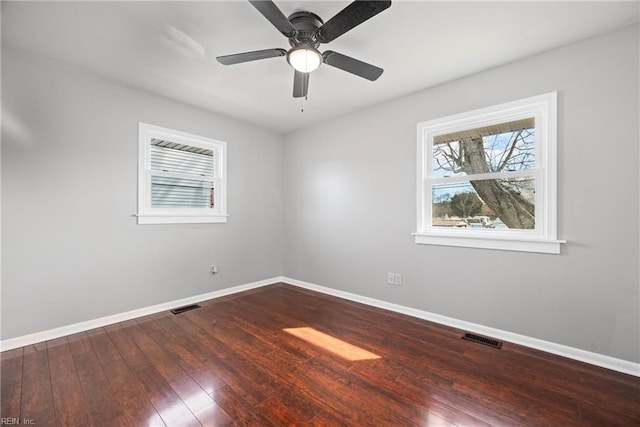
<point>185,308</point>
<point>482,340</point>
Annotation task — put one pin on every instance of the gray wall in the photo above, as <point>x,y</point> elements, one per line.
<point>349,205</point>
<point>71,251</point>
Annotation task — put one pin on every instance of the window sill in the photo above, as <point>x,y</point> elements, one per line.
<point>181,219</point>
<point>504,244</point>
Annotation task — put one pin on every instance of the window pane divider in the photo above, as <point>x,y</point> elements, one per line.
<point>485,176</point>
<point>179,175</point>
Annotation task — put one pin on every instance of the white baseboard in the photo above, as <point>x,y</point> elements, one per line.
<point>37,337</point>
<point>601,360</point>
<point>596,359</point>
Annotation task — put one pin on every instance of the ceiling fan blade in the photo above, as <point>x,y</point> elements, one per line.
<point>300,84</point>
<point>237,58</point>
<point>349,17</point>
<point>352,65</point>
<point>274,15</point>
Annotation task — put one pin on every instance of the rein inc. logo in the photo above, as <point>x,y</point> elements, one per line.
<point>16,421</point>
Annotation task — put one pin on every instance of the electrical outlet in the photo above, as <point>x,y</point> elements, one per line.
<point>214,269</point>
<point>397,279</point>
<point>394,279</point>
<point>391,279</point>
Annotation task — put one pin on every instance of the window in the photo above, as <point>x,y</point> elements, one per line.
<point>487,178</point>
<point>181,177</point>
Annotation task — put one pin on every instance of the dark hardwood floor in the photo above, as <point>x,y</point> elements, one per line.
<point>231,362</point>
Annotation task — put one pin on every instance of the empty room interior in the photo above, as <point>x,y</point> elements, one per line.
<point>320,213</point>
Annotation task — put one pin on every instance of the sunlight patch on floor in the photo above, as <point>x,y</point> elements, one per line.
<point>334,345</point>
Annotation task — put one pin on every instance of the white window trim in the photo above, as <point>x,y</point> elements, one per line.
<point>148,215</point>
<point>543,238</point>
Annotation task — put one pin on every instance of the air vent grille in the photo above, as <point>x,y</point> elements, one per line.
<point>185,308</point>
<point>482,340</point>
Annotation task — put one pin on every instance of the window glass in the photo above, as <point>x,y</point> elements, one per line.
<point>503,147</point>
<point>179,193</point>
<point>463,204</point>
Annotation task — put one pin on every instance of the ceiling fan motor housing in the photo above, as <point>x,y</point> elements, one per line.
<point>306,25</point>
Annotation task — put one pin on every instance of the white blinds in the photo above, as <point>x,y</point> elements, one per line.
<point>181,193</point>
<point>181,176</point>
<point>182,161</point>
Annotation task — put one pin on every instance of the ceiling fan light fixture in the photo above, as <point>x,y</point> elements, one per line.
<point>304,58</point>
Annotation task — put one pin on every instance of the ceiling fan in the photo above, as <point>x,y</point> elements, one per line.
<point>306,31</point>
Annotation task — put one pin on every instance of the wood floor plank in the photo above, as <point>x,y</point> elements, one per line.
<point>131,395</point>
<point>433,416</point>
<point>207,374</point>
<point>326,418</point>
<point>242,412</point>
<point>238,373</point>
<point>270,364</point>
<point>157,355</point>
<point>127,348</point>
<point>37,395</point>
<point>384,375</point>
<point>168,404</point>
<point>285,401</point>
<point>103,345</point>
<point>10,405</point>
<point>182,351</point>
<point>231,362</point>
<point>527,363</point>
<point>80,344</point>
<point>129,392</point>
<point>201,404</point>
<point>11,368</point>
<point>68,397</point>
<point>11,382</point>
<point>100,398</point>
<point>288,405</point>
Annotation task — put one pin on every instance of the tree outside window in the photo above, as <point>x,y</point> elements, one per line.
<point>503,148</point>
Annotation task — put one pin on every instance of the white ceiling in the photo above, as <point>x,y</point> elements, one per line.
<point>170,47</point>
